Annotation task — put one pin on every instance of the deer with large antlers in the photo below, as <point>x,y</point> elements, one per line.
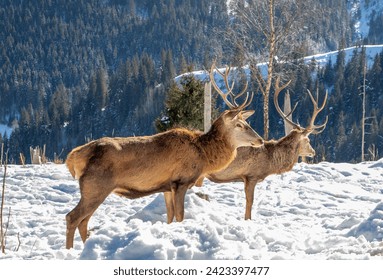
<point>230,99</point>
<point>253,165</point>
<point>168,162</point>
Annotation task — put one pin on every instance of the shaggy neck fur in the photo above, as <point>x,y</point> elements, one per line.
<point>217,148</point>
<point>285,152</point>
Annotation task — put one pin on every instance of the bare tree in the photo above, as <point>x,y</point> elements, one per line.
<point>364,109</point>
<point>268,31</point>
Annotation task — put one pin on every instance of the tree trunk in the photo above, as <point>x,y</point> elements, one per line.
<point>270,69</point>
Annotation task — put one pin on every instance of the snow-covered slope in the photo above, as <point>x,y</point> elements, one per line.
<point>320,211</point>
<point>5,130</point>
<point>320,59</point>
<point>362,11</point>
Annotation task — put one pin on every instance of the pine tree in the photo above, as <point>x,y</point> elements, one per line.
<point>184,105</point>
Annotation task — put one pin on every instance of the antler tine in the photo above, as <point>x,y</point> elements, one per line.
<point>316,111</point>
<point>233,104</point>
<point>242,93</point>
<point>319,129</point>
<point>225,77</point>
<point>278,89</point>
<point>219,91</point>
<point>247,101</point>
<point>230,88</point>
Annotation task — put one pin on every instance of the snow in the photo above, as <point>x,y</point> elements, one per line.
<point>4,129</point>
<point>316,211</point>
<point>322,59</point>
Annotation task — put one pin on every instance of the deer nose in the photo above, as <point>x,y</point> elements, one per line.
<point>258,143</point>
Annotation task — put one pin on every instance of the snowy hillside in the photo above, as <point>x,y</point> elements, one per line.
<point>320,59</point>
<point>321,211</point>
<point>362,11</point>
<point>5,130</point>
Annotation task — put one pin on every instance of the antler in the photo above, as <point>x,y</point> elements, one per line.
<point>311,128</point>
<point>232,104</point>
<point>317,128</point>
<point>278,89</point>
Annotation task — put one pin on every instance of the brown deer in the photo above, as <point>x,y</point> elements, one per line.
<point>230,100</point>
<point>253,165</point>
<point>168,162</point>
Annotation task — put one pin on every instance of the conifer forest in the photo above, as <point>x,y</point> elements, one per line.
<point>72,71</point>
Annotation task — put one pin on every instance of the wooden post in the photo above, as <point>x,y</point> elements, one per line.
<point>207,107</point>
<point>43,158</point>
<point>1,154</point>
<point>22,159</point>
<point>35,155</point>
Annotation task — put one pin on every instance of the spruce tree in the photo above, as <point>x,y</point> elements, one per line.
<point>184,105</point>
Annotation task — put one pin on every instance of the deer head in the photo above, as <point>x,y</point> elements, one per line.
<point>305,148</point>
<point>242,132</point>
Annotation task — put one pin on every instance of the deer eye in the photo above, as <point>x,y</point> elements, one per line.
<point>239,125</point>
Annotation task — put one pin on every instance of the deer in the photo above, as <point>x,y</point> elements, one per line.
<point>253,164</point>
<point>169,162</point>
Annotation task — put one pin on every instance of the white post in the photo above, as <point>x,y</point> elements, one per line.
<point>207,107</point>
<point>288,113</point>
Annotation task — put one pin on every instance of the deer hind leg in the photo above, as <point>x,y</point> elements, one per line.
<point>80,215</point>
<point>83,227</point>
<point>249,191</point>
<point>73,218</point>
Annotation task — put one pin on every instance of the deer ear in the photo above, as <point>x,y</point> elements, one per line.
<point>235,113</point>
<point>246,114</point>
<point>230,114</point>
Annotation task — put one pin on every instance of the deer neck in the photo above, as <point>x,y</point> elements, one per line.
<point>286,153</point>
<point>217,149</point>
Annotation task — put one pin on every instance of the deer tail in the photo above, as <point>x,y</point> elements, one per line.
<point>78,159</point>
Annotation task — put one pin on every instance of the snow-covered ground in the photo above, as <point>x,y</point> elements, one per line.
<point>319,211</point>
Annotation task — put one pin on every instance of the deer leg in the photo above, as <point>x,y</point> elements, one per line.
<point>199,182</point>
<point>179,200</point>
<point>83,227</point>
<point>79,218</point>
<point>73,219</point>
<point>169,202</point>
<point>80,215</point>
<point>71,225</point>
<point>249,191</point>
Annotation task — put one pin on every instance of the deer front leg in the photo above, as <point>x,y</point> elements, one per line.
<point>169,202</point>
<point>199,182</point>
<point>249,191</point>
<point>179,200</point>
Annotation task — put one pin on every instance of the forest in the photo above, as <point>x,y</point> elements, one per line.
<point>73,71</point>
